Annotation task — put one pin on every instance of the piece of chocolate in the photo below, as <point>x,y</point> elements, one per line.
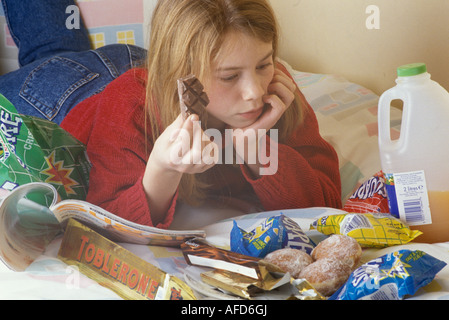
<point>192,98</point>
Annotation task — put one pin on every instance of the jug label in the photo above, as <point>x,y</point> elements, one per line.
<point>407,197</point>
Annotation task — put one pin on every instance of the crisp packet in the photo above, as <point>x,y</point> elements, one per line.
<point>272,234</point>
<point>370,197</point>
<point>390,277</point>
<point>38,150</point>
<point>371,230</point>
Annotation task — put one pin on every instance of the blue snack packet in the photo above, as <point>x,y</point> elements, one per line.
<point>272,234</point>
<point>390,277</point>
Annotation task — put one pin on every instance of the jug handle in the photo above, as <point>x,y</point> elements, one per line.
<point>384,108</point>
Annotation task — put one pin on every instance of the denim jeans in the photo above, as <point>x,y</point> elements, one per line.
<point>57,67</point>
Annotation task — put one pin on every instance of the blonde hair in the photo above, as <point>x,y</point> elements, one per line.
<point>186,36</point>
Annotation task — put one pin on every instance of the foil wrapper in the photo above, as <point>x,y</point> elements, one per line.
<point>245,276</point>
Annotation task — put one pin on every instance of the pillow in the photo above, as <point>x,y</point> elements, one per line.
<point>347,116</point>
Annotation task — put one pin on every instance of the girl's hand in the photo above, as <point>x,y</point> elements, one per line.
<point>183,147</point>
<point>281,93</point>
<point>279,98</point>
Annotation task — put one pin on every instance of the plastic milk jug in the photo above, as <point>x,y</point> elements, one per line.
<point>416,166</point>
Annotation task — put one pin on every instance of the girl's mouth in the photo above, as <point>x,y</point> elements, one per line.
<point>253,114</point>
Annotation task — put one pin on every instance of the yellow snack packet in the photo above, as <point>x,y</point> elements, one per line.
<point>371,230</point>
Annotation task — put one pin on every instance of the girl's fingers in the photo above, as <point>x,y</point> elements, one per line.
<point>197,143</point>
<point>273,114</point>
<point>280,76</point>
<point>283,86</point>
<point>188,153</point>
<point>285,94</point>
<point>174,128</point>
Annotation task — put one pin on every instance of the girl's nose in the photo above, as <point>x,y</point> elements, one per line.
<point>252,89</point>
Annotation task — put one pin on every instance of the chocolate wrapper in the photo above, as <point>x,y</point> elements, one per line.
<point>390,277</point>
<point>233,283</point>
<point>242,275</point>
<point>199,252</point>
<point>247,288</point>
<point>118,269</point>
<point>274,233</point>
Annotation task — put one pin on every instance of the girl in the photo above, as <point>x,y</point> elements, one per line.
<point>133,129</point>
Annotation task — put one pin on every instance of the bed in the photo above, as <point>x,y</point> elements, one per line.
<point>347,115</point>
<point>338,104</point>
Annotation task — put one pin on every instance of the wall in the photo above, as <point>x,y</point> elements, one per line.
<point>329,36</point>
<point>323,36</point>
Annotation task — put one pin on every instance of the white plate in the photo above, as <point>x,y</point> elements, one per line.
<point>218,233</point>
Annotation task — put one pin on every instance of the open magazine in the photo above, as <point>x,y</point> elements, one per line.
<point>27,226</point>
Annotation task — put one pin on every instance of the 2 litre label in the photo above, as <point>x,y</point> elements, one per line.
<point>407,197</point>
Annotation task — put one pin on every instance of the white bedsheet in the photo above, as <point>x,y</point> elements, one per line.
<point>49,278</point>
<point>347,116</point>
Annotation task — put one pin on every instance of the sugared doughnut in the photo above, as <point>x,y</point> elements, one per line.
<point>326,275</point>
<point>289,260</point>
<point>339,247</point>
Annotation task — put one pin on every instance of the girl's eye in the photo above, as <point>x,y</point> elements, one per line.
<point>229,78</point>
<point>264,66</point>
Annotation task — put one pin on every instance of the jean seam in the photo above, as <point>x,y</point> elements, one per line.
<point>108,63</point>
<point>135,61</point>
<point>54,110</point>
<point>130,56</point>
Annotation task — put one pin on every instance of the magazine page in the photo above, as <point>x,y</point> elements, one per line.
<point>31,216</point>
<point>26,227</point>
<point>118,229</point>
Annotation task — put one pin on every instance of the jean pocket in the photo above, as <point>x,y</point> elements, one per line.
<point>50,84</point>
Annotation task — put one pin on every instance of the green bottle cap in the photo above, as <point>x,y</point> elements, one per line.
<point>412,69</point>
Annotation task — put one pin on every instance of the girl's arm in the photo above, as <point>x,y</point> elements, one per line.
<point>111,125</point>
<point>174,154</point>
<point>133,176</point>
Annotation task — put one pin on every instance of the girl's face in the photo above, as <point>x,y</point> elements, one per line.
<point>239,80</point>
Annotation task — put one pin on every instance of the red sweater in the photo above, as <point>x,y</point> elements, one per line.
<point>112,126</point>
